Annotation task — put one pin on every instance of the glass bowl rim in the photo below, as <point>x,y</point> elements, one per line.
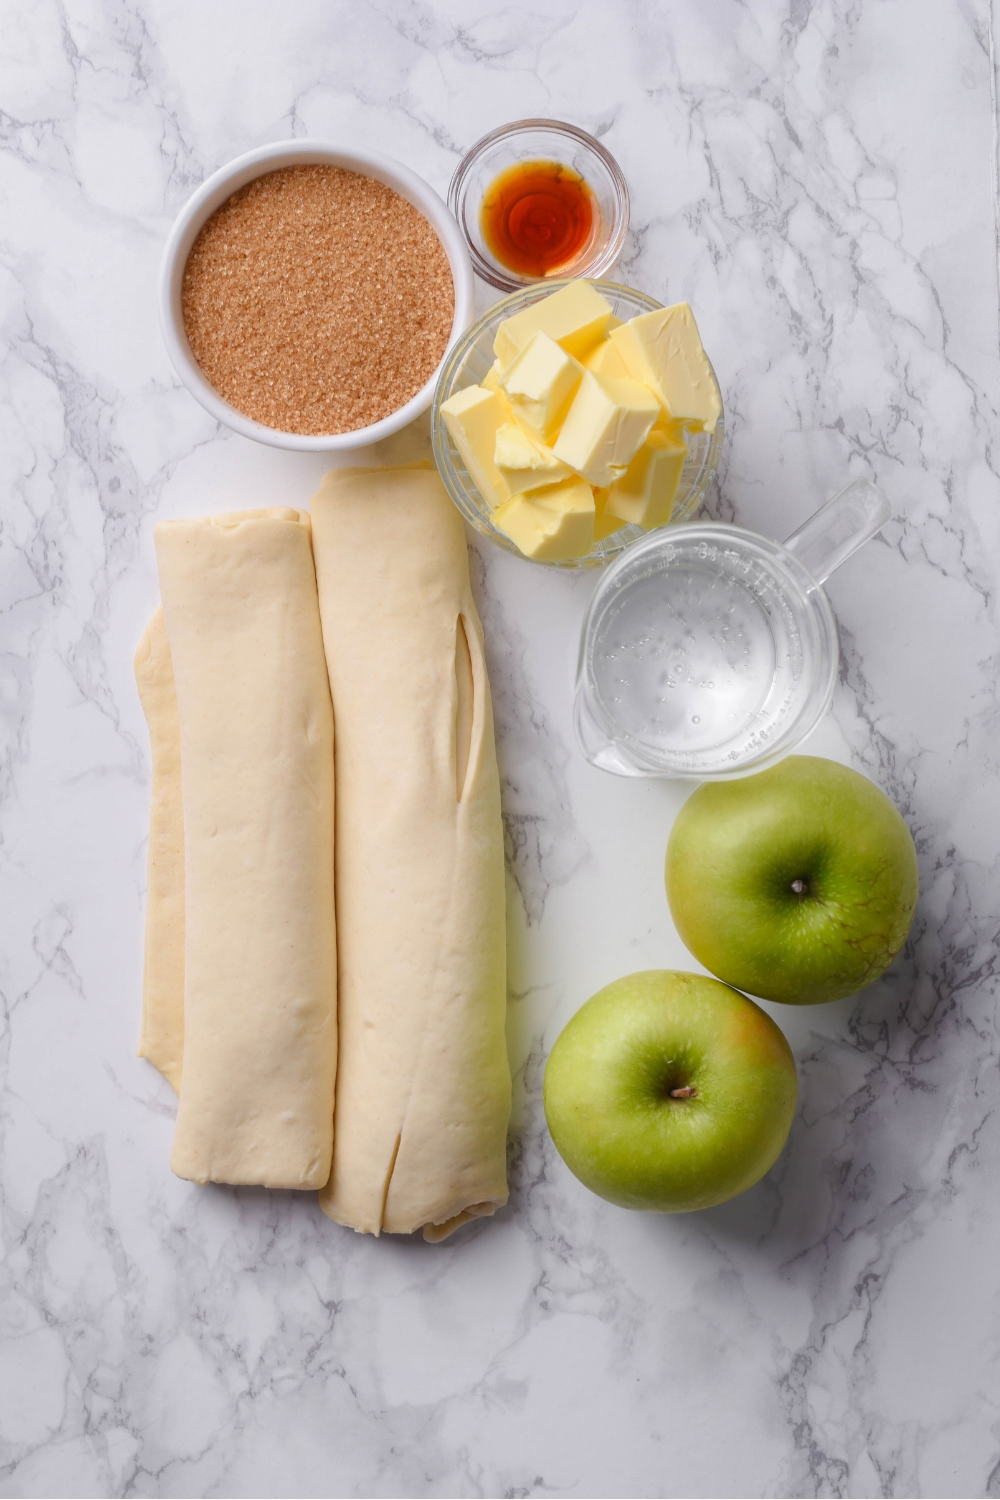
<point>609,252</point>
<point>535,291</point>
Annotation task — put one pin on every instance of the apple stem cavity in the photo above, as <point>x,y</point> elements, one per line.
<point>684,1093</point>
<point>800,887</point>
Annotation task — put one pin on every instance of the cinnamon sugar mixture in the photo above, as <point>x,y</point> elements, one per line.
<point>317,301</point>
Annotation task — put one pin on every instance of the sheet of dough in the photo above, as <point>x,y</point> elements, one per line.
<point>256,750</point>
<point>162,1035</point>
<point>423,1085</point>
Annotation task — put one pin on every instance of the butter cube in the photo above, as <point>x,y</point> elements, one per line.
<point>473,417</point>
<point>606,424</point>
<point>491,380</point>
<point>605,524</point>
<point>540,383</point>
<point>645,493</point>
<point>664,350</point>
<point>525,464</point>
<point>577,317</point>
<point>552,524</point>
<point>604,359</point>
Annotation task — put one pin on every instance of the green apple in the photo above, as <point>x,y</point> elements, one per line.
<point>669,1091</point>
<point>798,884</point>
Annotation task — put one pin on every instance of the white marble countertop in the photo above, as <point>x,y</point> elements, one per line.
<point>818,178</point>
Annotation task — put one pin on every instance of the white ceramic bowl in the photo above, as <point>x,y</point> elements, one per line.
<point>221,186</point>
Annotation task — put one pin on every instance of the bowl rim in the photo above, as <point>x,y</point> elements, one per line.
<point>220,186</point>
<point>509,281</point>
<point>440,445</point>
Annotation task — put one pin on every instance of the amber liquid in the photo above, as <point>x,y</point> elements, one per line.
<point>537,216</point>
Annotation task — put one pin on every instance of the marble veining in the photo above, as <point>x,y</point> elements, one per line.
<point>820,179</point>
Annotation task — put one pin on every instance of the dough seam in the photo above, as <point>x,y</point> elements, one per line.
<point>465,722</point>
<point>388,1179</point>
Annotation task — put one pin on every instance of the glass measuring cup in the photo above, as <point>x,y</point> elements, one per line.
<point>710,651</point>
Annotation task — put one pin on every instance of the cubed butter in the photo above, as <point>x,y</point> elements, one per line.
<point>491,380</point>
<point>577,317</point>
<point>664,350</point>
<point>525,464</point>
<point>645,493</point>
<point>604,359</point>
<point>606,424</point>
<point>605,524</point>
<point>473,417</point>
<point>540,383</point>
<point>552,524</point>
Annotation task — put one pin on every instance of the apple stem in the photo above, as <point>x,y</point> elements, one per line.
<point>799,887</point>
<point>684,1093</point>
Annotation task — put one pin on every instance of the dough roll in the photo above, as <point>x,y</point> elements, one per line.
<point>423,1084</point>
<point>256,756</point>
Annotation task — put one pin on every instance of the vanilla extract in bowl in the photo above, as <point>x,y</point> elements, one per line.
<point>539,217</point>
<point>317,300</point>
<point>537,199</point>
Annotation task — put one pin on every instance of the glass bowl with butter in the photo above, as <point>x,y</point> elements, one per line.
<point>548,443</point>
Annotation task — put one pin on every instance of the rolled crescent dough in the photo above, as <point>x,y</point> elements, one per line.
<point>256,755</point>
<point>423,1086</point>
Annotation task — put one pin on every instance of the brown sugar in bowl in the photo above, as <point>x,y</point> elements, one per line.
<point>338,345</point>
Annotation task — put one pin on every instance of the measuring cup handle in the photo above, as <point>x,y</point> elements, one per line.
<point>839,528</point>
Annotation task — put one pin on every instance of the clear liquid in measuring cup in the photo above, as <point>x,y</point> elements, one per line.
<point>687,666</point>
<point>696,661</point>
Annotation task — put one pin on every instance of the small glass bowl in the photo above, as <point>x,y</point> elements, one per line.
<point>541,140</point>
<point>468,363</point>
